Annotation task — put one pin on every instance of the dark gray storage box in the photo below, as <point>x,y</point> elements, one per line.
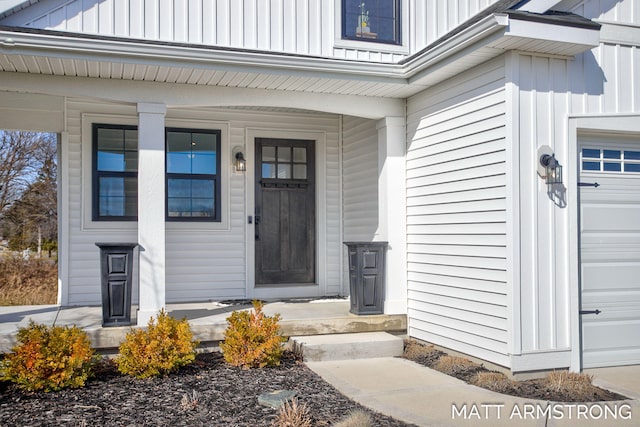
<point>366,276</point>
<point>116,265</point>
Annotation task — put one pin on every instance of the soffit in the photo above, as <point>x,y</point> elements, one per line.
<point>75,55</point>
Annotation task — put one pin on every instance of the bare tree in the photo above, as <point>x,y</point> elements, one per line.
<point>22,156</point>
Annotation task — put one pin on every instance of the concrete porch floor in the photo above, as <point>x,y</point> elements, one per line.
<point>207,319</point>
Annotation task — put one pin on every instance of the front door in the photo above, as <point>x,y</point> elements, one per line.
<point>285,212</point>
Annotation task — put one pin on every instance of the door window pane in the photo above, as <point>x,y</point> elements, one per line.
<point>612,167</point>
<point>299,171</point>
<point>299,155</point>
<point>284,171</point>
<point>590,153</point>
<point>611,154</point>
<point>591,166</point>
<point>268,154</point>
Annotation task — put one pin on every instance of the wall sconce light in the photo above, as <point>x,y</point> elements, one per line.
<point>238,159</point>
<point>549,168</point>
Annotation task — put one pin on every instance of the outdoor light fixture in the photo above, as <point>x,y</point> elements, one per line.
<point>549,168</point>
<point>239,160</point>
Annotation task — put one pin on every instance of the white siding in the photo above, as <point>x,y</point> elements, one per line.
<point>360,179</point>
<point>310,27</point>
<point>201,264</point>
<point>456,214</point>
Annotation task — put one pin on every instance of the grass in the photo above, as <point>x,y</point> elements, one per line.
<point>28,282</point>
<point>578,384</point>
<point>451,364</point>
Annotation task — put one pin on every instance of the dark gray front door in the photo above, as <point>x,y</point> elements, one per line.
<point>285,211</point>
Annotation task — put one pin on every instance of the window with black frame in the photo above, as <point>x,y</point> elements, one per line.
<point>115,173</point>
<point>371,20</point>
<point>193,174</point>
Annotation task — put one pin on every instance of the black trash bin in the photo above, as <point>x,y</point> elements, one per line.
<point>116,264</point>
<point>366,276</point>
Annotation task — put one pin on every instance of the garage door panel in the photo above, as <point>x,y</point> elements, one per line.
<point>616,218</point>
<point>610,276</point>
<point>597,335</point>
<point>610,256</point>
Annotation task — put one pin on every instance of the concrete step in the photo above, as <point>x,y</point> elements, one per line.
<point>366,345</point>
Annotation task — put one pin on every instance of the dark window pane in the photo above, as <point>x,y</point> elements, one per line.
<point>611,154</point>
<point>202,188</point>
<point>632,155</point>
<point>612,167</point>
<point>117,196</point>
<point>178,188</point>
<point>110,139</point>
<point>179,207</point>
<point>203,163</point>
<point>591,166</point>
<point>178,152</point>
<point>632,167</point>
<point>202,207</point>
<point>110,161</point>
<point>372,20</point>
<point>131,140</point>
<point>590,153</point>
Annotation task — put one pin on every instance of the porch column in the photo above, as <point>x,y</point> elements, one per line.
<point>392,210</point>
<point>151,210</point>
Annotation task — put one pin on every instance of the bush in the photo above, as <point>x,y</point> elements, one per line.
<point>292,414</point>
<point>163,347</point>
<point>252,340</point>
<point>49,358</point>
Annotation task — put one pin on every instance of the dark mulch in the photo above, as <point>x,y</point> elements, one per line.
<point>429,356</point>
<point>227,396</point>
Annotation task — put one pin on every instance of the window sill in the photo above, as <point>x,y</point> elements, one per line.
<point>371,45</point>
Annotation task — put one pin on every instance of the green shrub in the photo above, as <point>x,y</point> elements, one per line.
<point>49,358</point>
<point>163,347</point>
<point>252,340</point>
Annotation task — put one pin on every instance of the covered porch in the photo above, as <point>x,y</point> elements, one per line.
<point>207,320</point>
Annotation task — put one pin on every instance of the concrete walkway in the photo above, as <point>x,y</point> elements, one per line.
<point>425,397</point>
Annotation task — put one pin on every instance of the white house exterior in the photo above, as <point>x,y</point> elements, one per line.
<point>424,132</point>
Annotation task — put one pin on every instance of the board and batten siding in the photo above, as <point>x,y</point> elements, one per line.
<point>598,82</point>
<point>309,27</point>
<point>201,264</point>
<point>456,214</point>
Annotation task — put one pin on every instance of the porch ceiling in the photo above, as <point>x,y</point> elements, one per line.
<point>78,55</point>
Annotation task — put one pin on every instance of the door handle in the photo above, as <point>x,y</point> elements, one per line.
<point>257,226</point>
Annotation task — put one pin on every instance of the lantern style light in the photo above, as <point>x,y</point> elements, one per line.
<point>552,168</point>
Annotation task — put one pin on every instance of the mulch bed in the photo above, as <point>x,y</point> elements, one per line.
<point>429,356</point>
<point>226,396</point>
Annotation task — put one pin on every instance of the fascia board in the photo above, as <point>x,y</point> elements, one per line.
<point>588,38</point>
<point>478,34</point>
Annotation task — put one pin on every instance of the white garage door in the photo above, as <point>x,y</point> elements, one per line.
<point>610,251</point>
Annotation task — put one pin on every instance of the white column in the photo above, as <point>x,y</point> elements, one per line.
<point>151,210</point>
<point>392,210</point>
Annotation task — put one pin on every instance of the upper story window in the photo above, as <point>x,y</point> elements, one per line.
<point>371,20</point>
<point>115,177</point>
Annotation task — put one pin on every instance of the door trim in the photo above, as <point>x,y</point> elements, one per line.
<point>288,291</point>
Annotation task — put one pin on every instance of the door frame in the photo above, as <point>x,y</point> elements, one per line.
<point>288,291</point>
<point>580,126</point>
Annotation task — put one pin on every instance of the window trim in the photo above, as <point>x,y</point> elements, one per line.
<point>217,216</point>
<point>96,174</point>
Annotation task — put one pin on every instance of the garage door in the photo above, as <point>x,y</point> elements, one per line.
<point>610,251</point>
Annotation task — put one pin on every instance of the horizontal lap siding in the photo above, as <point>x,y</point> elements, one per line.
<point>201,264</point>
<point>456,214</point>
